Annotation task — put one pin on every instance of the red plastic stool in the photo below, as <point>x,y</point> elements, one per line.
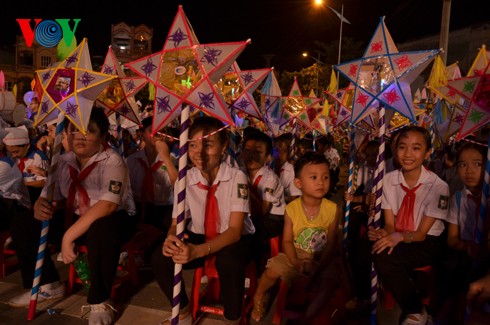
<point>8,258</point>
<point>388,299</point>
<point>295,295</point>
<point>275,245</point>
<point>203,300</point>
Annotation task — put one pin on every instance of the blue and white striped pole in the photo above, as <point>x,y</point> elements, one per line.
<point>43,240</point>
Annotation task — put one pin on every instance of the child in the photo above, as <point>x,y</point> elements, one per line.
<point>267,193</point>
<point>14,197</point>
<point>283,168</point>
<point>153,174</point>
<point>415,204</point>
<point>467,235</point>
<point>32,163</point>
<point>362,200</point>
<point>93,181</point>
<point>325,146</point>
<point>302,146</point>
<point>222,237</point>
<point>310,228</point>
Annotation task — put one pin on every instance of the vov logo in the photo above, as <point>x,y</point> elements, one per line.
<point>48,33</point>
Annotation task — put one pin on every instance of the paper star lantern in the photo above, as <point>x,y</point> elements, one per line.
<point>270,100</point>
<point>187,72</point>
<point>118,97</point>
<point>299,108</point>
<point>383,75</point>
<point>475,90</point>
<point>71,86</point>
<point>238,87</point>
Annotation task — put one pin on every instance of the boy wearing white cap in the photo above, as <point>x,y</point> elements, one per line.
<point>32,163</point>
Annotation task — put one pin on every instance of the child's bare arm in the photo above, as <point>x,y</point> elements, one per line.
<point>287,242</point>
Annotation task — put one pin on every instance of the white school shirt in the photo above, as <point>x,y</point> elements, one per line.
<point>365,175</point>
<point>271,190</point>
<point>431,198</point>
<point>11,183</point>
<point>286,176</point>
<point>162,186</point>
<point>108,181</point>
<point>35,158</point>
<point>231,194</point>
<point>463,214</point>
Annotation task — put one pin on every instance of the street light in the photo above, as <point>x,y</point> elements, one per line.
<point>318,62</point>
<point>342,20</point>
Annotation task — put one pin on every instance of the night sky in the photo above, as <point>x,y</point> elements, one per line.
<point>284,28</point>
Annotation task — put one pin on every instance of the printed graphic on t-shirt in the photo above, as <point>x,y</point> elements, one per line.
<point>115,187</point>
<point>242,191</point>
<point>312,239</point>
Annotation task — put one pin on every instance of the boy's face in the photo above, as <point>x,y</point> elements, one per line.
<point>255,155</point>
<point>314,180</point>
<point>281,151</point>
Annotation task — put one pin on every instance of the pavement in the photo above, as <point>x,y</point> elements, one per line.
<point>146,304</point>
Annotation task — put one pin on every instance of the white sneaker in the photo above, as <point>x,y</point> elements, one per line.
<point>100,314</point>
<point>48,291</point>
<point>416,319</point>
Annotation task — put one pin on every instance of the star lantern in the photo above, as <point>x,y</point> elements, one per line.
<point>186,72</point>
<point>270,100</point>
<point>71,87</point>
<point>238,87</point>
<point>475,92</point>
<point>299,108</point>
<point>118,97</point>
<point>383,75</point>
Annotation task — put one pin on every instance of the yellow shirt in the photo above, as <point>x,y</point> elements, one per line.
<point>311,236</point>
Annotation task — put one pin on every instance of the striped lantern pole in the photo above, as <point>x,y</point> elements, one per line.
<point>184,136</point>
<point>376,220</point>
<point>485,192</point>
<point>119,135</point>
<point>349,187</point>
<point>43,240</point>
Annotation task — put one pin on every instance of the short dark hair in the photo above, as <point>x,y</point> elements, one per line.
<point>146,122</point>
<point>310,157</point>
<point>100,119</point>
<point>418,129</point>
<point>261,137</point>
<point>286,138</point>
<point>208,124</point>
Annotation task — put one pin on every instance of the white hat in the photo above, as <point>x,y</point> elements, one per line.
<point>16,136</point>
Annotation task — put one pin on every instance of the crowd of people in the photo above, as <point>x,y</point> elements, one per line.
<point>272,187</point>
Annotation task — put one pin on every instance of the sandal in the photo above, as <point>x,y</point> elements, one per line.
<point>260,308</point>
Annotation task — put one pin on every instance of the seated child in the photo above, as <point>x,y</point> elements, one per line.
<point>309,236</point>
<point>283,168</point>
<point>267,192</point>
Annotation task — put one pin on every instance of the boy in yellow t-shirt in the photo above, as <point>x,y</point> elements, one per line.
<point>309,237</point>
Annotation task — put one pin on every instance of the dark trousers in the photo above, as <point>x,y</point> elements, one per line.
<point>103,239</point>
<point>26,232</point>
<point>395,270</point>
<point>266,227</point>
<point>231,262</point>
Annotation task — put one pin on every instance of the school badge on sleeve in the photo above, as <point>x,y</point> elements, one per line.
<point>443,202</point>
<point>242,191</point>
<point>115,187</point>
